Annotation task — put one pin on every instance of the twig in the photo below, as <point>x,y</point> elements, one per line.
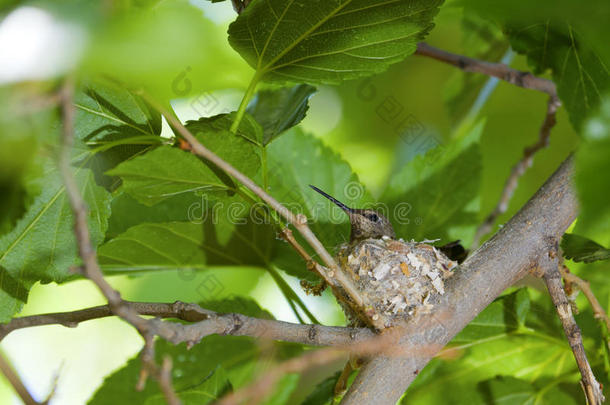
<point>333,275</point>
<point>206,323</point>
<point>552,278</point>
<point>147,356</point>
<point>15,381</point>
<point>312,265</point>
<point>162,374</point>
<point>518,170</point>
<point>286,234</point>
<point>499,70</point>
<point>165,381</point>
<point>507,257</point>
<point>71,319</point>
<point>90,268</point>
<point>585,287</point>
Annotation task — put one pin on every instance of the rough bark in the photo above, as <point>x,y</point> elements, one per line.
<point>508,256</point>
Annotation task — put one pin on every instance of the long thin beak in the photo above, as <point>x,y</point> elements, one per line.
<point>339,203</point>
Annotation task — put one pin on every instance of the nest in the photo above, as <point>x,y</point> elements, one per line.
<point>396,279</point>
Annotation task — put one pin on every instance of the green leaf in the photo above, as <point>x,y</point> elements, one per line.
<point>506,389</point>
<point>214,387</point>
<point>191,368</point>
<point>328,41</point>
<point>11,205</point>
<point>297,160</point>
<point>324,392</point>
<point>165,172</point>
<point>554,40</point>
<point>105,110</point>
<point>503,316</point>
<point>280,109</point>
<point>184,245</point>
<point>219,233</point>
<point>284,389</point>
<point>42,246</point>
<point>239,149</point>
<point>580,73</point>
<point>249,127</point>
<point>115,123</point>
<point>213,365</point>
<point>504,340</point>
<point>430,194</point>
<point>127,212</point>
<point>590,163</point>
<point>581,249</point>
<point>155,247</point>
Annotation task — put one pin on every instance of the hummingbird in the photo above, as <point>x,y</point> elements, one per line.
<point>368,223</point>
<point>365,223</point>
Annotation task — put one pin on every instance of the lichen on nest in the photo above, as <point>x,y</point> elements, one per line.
<point>396,279</point>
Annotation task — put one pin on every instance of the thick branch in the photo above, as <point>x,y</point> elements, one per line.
<point>504,259</point>
<point>206,323</point>
<point>499,70</point>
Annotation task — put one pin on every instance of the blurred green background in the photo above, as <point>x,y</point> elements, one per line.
<point>193,64</point>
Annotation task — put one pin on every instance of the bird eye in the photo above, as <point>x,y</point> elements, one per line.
<point>373,217</point>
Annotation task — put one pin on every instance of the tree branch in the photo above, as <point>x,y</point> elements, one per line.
<point>206,323</point>
<point>71,319</point>
<point>509,255</point>
<point>552,278</point>
<point>499,70</point>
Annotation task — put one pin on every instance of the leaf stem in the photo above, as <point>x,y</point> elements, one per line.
<point>134,140</point>
<point>290,295</point>
<point>285,289</point>
<point>244,102</point>
<point>264,164</point>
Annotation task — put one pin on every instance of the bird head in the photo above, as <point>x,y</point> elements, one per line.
<point>365,223</point>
